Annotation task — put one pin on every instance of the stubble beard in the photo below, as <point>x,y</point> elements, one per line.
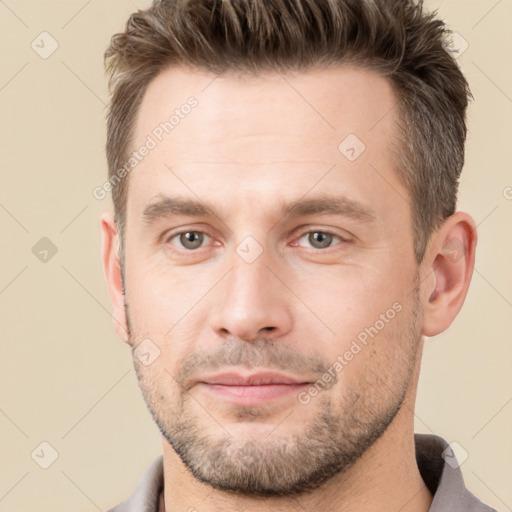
<point>282,465</point>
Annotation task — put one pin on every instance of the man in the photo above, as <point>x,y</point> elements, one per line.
<point>284,176</point>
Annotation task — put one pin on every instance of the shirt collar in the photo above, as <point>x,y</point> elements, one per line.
<point>441,473</point>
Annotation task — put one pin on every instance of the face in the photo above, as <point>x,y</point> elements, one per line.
<point>259,238</point>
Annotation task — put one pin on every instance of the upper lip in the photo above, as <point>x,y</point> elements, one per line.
<point>254,379</point>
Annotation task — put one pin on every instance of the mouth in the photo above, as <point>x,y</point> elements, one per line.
<point>255,388</point>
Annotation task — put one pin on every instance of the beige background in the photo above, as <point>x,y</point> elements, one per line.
<point>65,377</point>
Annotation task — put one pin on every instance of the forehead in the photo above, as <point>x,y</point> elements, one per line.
<point>276,129</point>
<point>322,103</point>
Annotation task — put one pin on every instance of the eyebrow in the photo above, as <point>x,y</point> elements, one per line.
<point>169,206</point>
<point>166,207</point>
<point>333,205</point>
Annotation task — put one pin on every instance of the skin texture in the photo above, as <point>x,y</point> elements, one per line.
<point>250,147</point>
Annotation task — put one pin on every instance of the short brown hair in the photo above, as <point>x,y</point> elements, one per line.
<point>394,37</point>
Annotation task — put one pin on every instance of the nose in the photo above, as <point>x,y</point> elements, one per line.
<point>255,302</point>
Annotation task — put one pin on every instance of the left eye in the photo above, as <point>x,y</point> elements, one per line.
<point>320,239</point>
<point>190,239</point>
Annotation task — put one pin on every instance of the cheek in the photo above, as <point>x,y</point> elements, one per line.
<point>164,310</point>
<point>379,359</point>
<point>349,299</point>
<point>159,389</point>
<point>362,319</point>
<point>156,296</point>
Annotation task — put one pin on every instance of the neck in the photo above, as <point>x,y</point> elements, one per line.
<point>385,478</point>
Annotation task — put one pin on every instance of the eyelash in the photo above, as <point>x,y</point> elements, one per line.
<point>334,235</point>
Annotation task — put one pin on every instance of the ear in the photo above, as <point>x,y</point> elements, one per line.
<point>449,264</point>
<point>112,274</point>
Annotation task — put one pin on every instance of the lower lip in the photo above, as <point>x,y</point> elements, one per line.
<point>252,394</point>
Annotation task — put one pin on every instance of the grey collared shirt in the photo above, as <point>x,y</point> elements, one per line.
<point>442,477</point>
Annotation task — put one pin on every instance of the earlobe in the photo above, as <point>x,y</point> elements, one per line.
<point>112,274</point>
<point>450,262</point>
